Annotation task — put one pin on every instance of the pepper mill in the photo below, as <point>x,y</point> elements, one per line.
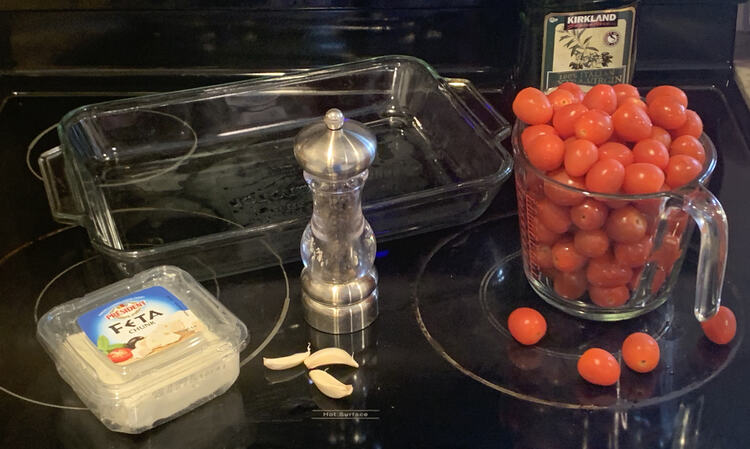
<point>339,280</point>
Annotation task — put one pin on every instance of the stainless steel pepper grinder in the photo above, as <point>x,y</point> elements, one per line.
<point>339,280</point>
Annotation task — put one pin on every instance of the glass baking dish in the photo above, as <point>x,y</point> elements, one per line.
<point>206,179</point>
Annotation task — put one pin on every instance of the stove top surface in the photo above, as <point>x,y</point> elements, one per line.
<point>437,369</point>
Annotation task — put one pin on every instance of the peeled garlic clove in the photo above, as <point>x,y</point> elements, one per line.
<point>330,356</point>
<point>329,385</point>
<point>287,362</point>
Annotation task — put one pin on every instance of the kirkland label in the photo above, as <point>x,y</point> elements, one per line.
<point>587,48</point>
<point>138,325</point>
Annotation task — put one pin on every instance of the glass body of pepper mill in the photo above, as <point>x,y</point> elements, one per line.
<point>339,280</point>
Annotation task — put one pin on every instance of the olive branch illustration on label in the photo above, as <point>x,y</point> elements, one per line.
<point>585,56</point>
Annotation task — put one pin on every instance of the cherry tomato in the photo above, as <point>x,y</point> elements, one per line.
<point>618,151</point>
<point>543,235</point>
<point>632,123</point>
<point>632,100</point>
<point>669,91</point>
<point>689,146</point>
<point>623,91</point>
<point>591,243</point>
<point>668,252</point>
<point>565,257</point>
<point>555,218</point>
<point>662,135</point>
<point>570,285</point>
<point>626,225</point>
<point>605,176</point>
<point>572,88</point>
<point>667,112</point>
<point>693,125</point>
<point>526,325</point>
<point>542,256</point>
<point>682,169</point>
<point>640,352</point>
<point>601,97</point>
<point>599,367</point>
<point>532,132</point>
<point>594,125</point>
<point>656,282</point>
<point>589,215</point>
<point>580,155</point>
<point>120,354</point>
<point>721,327</point>
<point>564,119</point>
<point>532,106</point>
<point>560,195</point>
<point>561,97</point>
<point>633,254</point>
<point>609,296</point>
<point>606,272</point>
<point>546,152</point>
<point>641,178</point>
<point>651,151</point>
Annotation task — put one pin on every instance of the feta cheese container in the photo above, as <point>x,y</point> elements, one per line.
<point>145,350</point>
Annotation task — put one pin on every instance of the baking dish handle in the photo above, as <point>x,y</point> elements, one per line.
<point>478,108</point>
<point>63,205</point>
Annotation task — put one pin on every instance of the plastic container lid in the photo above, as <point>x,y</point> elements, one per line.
<point>146,349</point>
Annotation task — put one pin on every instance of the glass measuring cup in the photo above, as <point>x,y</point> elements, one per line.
<point>551,214</point>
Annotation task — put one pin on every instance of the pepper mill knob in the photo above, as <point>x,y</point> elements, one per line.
<point>339,280</point>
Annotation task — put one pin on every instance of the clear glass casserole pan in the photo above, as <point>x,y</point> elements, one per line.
<point>206,179</point>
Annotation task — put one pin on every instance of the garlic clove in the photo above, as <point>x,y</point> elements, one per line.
<point>290,361</point>
<point>330,356</point>
<point>329,385</point>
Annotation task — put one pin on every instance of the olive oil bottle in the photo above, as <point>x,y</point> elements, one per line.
<point>585,42</point>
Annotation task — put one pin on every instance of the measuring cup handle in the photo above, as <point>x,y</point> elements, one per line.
<point>708,214</point>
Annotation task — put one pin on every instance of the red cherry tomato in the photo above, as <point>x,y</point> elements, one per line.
<point>606,272</point>
<point>662,135</point>
<point>599,367</point>
<point>526,325</point>
<point>565,257</point>
<point>651,151</point>
<point>667,112</point>
<point>669,91</point>
<point>560,195</point>
<point>564,118</point>
<point>693,125</point>
<point>721,327</point>
<point>601,97</point>
<point>623,91</point>
<point>532,106</point>
<point>640,352</point>
<point>689,146</point>
<point>580,155</point>
<point>668,252</point>
<point>609,296</point>
<point>555,218</point>
<point>641,178</point>
<point>618,151</point>
<point>542,256</point>
<point>633,254</point>
<point>632,100</point>
<point>591,243</point>
<point>626,225</point>
<point>542,234</point>
<point>682,169</point>
<point>570,285</point>
<point>532,132</point>
<point>594,125</point>
<point>546,152</point>
<point>120,354</point>
<point>572,88</point>
<point>605,176</point>
<point>589,215</point>
<point>632,123</point>
<point>656,282</point>
<point>561,97</point>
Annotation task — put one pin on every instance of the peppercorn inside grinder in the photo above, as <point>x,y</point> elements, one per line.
<point>339,280</point>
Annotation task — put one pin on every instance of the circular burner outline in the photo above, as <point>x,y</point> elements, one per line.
<point>525,397</point>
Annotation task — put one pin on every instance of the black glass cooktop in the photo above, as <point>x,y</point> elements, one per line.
<point>437,368</point>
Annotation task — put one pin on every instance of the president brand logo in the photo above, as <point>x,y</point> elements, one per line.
<point>591,21</point>
<point>125,310</point>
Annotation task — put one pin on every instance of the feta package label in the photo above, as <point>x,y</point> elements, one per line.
<point>139,324</point>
